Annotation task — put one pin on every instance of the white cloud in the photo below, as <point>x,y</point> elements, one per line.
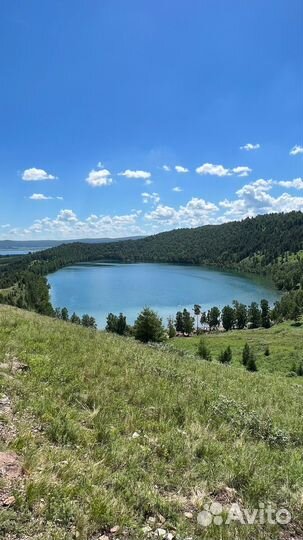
<point>297,183</point>
<point>153,198</point>
<point>177,189</point>
<point>254,198</point>
<point>215,170</point>
<point>67,225</point>
<point>5,226</point>
<point>196,212</point>
<point>242,171</point>
<point>250,147</point>
<point>97,178</point>
<point>166,168</point>
<point>181,169</point>
<point>219,170</point>
<point>141,175</point>
<point>297,149</point>
<point>34,175</point>
<point>41,197</point>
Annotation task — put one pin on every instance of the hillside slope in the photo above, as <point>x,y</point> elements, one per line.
<point>112,433</point>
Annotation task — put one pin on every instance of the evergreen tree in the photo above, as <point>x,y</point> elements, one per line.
<point>251,363</point>
<point>203,350</point>
<point>254,315</point>
<point>245,354</point>
<point>75,319</point>
<point>265,314</point>
<point>111,323</point>
<point>171,328</point>
<point>179,322</point>
<point>225,357</point>
<point>121,325</point>
<point>214,317</point>
<point>228,318</point>
<point>240,314</point>
<point>188,322</point>
<point>64,314</point>
<point>267,351</point>
<point>148,326</point>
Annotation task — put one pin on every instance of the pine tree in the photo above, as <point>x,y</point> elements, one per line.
<point>148,326</point>
<point>245,354</point>
<point>171,328</point>
<point>251,363</point>
<point>203,350</point>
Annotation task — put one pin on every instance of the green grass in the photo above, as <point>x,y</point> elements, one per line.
<point>285,343</point>
<point>203,428</point>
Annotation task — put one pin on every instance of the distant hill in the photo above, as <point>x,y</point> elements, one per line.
<point>43,244</point>
<point>270,235</point>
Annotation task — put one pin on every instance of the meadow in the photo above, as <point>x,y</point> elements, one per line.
<point>122,440</point>
<point>283,342</point>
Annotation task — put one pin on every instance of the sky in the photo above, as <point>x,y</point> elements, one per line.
<point>129,118</point>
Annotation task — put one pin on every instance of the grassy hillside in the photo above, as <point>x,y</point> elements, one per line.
<point>112,433</point>
<point>285,343</point>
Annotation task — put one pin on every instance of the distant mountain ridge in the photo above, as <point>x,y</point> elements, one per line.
<point>15,244</point>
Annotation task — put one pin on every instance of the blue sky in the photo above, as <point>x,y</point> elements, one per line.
<point>96,97</point>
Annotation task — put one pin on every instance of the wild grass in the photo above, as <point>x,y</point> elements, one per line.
<point>113,432</point>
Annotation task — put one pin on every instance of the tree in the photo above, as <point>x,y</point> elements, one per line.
<point>203,350</point>
<point>75,319</point>
<point>214,317</point>
<point>299,370</point>
<point>245,354</point>
<point>148,326</point>
<point>240,314</point>
<point>88,322</point>
<point>203,318</point>
<point>225,357</point>
<point>267,351</point>
<point>228,318</point>
<point>254,315</point>
<point>188,322</point>
<point>121,325</point>
<point>197,312</point>
<point>64,314</point>
<point>265,316</point>
<point>179,322</point>
<point>111,323</point>
<point>171,328</point>
<point>251,363</point>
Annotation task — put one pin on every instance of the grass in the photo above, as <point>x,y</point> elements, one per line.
<point>285,343</point>
<point>113,433</point>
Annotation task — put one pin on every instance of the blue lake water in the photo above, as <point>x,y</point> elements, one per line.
<point>101,288</point>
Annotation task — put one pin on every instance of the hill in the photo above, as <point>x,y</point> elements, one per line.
<point>103,432</point>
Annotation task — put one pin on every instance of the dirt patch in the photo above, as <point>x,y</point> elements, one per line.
<point>13,365</point>
<point>225,496</point>
<point>10,466</point>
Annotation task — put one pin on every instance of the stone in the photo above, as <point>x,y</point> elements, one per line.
<point>160,533</point>
<point>10,466</point>
<point>188,515</point>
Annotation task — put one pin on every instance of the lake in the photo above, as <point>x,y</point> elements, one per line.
<point>99,288</point>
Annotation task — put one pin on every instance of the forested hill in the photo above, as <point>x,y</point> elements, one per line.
<point>268,244</point>
<point>223,245</point>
